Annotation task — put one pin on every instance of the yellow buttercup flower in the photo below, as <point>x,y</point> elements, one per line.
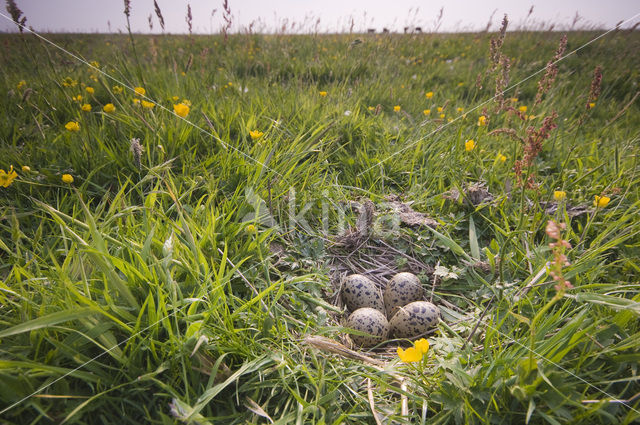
<point>69,82</point>
<point>108,108</point>
<point>482,121</point>
<point>439,109</point>
<point>502,158</point>
<point>422,345</point>
<point>136,101</point>
<point>410,355</point>
<point>77,98</point>
<point>181,109</point>
<point>26,168</point>
<point>601,201</point>
<point>428,94</point>
<point>426,112</point>
<point>175,98</point>
<point>397,108</point>
<point>7,178</point>
<point>322,93</point>
<point>67,178</point>
<point>442,116</point>
<point>72,126</point>
<point>148,105</point>
<point>469,145</point>
<point>592,105</point>
<point>459,109</point>
<point>86,107</point>
<point>140,90</point>
<point>559,195</point>
<point>117,89</point>
<point>523,109</point>
<point>255,134</point>
<point>514,99</point>
<point>21,84</point>
<point>89,90</point>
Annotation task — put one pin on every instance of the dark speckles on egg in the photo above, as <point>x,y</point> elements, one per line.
<point>359,291</point>
<point>403,288</point>
<point>414,319</point>
<point>370,321</point>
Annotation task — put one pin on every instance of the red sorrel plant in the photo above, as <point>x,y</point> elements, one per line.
<point>551,71</point>
<point>16,14</point>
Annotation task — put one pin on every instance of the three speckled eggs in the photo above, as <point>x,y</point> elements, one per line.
<point>400,311</point>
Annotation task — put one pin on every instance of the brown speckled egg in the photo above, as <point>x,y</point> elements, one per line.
<point>359,291</point>
<point>402,289</point>
<point>414,319</point>
<point>370,321</point>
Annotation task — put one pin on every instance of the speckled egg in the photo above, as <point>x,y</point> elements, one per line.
<point>414,319</point>
<point>370,321</point>
<point>402,289</point>
<point>359,291</point>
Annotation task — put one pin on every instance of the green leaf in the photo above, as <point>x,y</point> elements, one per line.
<point>48,320</point>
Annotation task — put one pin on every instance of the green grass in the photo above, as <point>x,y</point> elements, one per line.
<point>137,294</point>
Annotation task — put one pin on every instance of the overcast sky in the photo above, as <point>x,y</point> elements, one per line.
<point>334,15</point>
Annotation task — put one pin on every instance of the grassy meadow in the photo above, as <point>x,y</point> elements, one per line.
<point>176,257</point>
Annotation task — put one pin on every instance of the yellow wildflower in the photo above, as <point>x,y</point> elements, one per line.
<point>77,98</point>
<point>186,102</point>
<point>591,104</point>
<point>439,109</point>
<point>26,168</point>
<point>108,108</point>
<point>601,201</point>
<point>428,94</point>
<point>117,89</point>
<point>69,82</point>
<point>469,145</point>
<point>7,178</point>
<point>175,98</point>
<point>460,84</point>
<point>255,134</point>
<point>86,107</point>
<point>482,121</point>
<point>397,108</point>
<point>422,345</point>
<point>94,64</point>
<point>559,195</point>
<point>371,108</point>
<point>140,91</point>
<point>72,126</point>
<point>523,109</point>
<point>514,99</point>
<point>67,178</point>
<point>181,109</point>
<point>148,105</point>
<point>442,116</point>
<point>459,109</point>
<point>501,157</point>
<point>410,355</point>
<point>322,93</point>
<point>21,84</point>
<point>136,101</point>
<point>230,83</point>
<point>89,90</point>
<point>426,112</point>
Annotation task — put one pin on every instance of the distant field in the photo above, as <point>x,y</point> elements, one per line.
<point>167,252</point>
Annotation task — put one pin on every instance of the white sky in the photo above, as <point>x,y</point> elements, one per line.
<point>335,15</point>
